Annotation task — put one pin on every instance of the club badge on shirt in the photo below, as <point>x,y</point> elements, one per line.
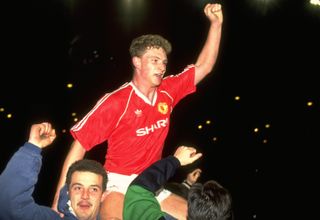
<point>163,108</point>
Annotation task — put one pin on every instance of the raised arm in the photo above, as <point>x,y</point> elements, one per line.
<point>140,201</point>
<point>208,55</point>
<point>76,152</point>
<point>42,134</point>
<point>18,179</point>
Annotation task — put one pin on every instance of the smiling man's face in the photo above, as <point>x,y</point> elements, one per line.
<point>86,194</point>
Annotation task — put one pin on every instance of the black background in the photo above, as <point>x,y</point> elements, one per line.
<point>269,56</point>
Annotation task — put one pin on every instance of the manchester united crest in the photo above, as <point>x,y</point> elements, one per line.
<point>163,108</point>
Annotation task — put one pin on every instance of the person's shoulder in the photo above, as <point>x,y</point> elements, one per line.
<point>188,69</point>
<point>118,95</point>
<point>123,90</point>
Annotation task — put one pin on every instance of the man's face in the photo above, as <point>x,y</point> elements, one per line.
<point>86,194</point>
<point>152,66</point>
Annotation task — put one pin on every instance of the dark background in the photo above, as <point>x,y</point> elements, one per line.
<point>269,57</point>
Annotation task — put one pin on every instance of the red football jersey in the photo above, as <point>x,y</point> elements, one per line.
<point>134,127</point>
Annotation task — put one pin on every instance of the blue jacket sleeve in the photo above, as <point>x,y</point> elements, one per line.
<point>17,183</point>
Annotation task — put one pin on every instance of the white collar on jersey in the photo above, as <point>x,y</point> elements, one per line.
<point>143,97</point>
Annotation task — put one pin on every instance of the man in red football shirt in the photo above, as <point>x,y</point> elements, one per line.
<point>135,118</point>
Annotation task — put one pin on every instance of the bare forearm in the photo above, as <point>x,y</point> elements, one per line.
<point>209,53</point>
<point>76,152</point>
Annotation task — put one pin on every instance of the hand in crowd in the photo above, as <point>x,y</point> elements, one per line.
<point>187,155</point>
<point>42,134</point>
<point>193,177</point>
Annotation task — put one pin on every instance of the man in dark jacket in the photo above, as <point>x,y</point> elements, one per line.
<point>208,201</point>
<point>85,183</point>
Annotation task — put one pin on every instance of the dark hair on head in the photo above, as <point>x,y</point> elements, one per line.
<point>87,165</point>
<point>140,44</point>
<point>209,201</point>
